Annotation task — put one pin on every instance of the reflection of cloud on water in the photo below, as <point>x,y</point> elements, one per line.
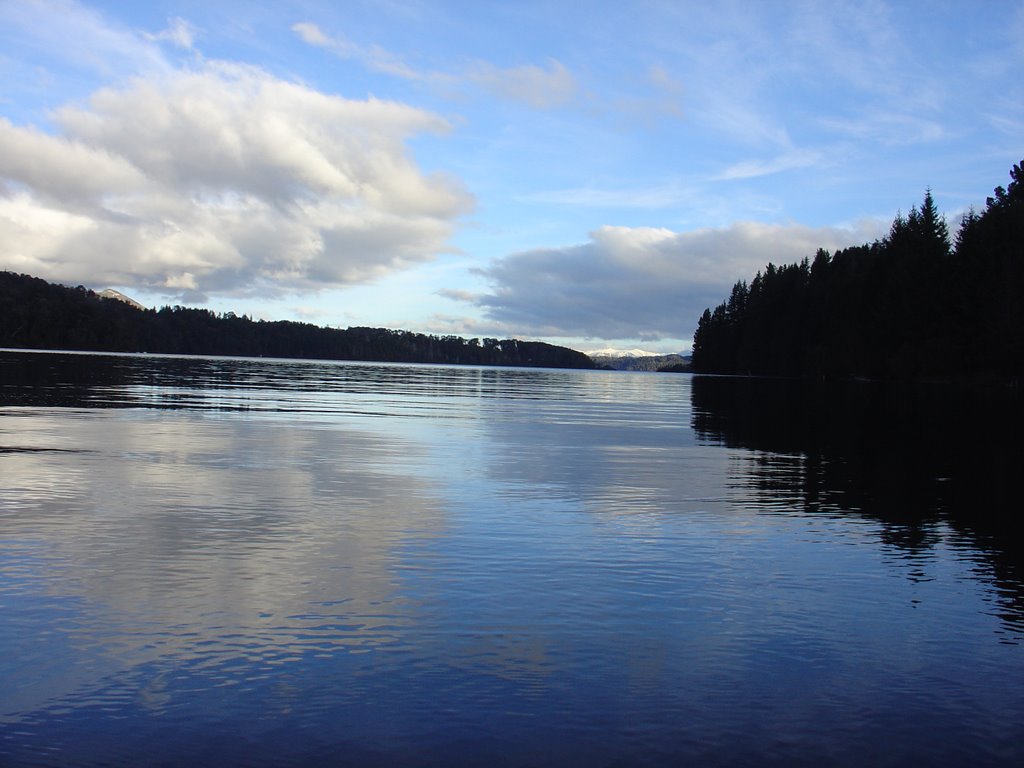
<point>225,535</point>
<point>206,539</point>
<point>417,555</point>
<point>619,444</point>
<point>569,497</point>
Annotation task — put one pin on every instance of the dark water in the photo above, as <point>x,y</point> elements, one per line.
<point>271,563</point>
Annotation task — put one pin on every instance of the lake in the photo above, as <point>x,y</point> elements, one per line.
<point>287,563</point>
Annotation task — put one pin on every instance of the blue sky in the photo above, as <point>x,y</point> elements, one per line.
<point>593,174</point>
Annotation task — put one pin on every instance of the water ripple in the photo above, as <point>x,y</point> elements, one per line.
<point>250,562</point>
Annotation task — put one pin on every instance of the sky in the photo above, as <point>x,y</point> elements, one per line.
<point>592,174</point>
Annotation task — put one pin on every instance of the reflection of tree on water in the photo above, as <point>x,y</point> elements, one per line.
<point>913,457</point>
<point>111,380</point>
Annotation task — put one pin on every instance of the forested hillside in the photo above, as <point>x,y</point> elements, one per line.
<point>914,304</point>
<point>35,314</point>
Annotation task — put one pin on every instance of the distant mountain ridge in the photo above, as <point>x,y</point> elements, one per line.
<point>646,361</point>
<point>611,352</point>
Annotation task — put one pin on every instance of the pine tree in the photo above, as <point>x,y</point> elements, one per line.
<point>932,233</point>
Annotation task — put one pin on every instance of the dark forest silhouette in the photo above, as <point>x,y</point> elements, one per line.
<point>35,314</point>
<point>914,304</point>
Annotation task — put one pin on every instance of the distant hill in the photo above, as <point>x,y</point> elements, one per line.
<point>631,361</point>
<point>35,314</point>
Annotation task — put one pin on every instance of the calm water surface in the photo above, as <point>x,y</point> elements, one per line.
<point>248,562</point>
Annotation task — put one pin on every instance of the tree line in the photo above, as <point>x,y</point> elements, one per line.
<point>36,314</point>
<point>913,304</point>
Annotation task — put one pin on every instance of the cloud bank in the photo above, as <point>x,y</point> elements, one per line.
<point>644,283</point>
<point>222,179</point>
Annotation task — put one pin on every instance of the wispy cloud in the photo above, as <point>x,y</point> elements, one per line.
<point>82,37</point>
<point>849,57</point>
<point>374,58</point>
<point>888,128</point>
<point>1007,125</point>
<point>178,32</point>
<point>654,197</point>
<point>459,295</point>
<point>786,162</point>
<point>540,87</point>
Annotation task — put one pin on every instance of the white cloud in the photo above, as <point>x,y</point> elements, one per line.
<point>61,168</point>
<point>644,283</point>
<point>222,179</point>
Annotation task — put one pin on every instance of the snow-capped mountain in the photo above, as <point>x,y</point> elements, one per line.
<point>637,360</point>
<point>110,293</point>
<point>609,352</point>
